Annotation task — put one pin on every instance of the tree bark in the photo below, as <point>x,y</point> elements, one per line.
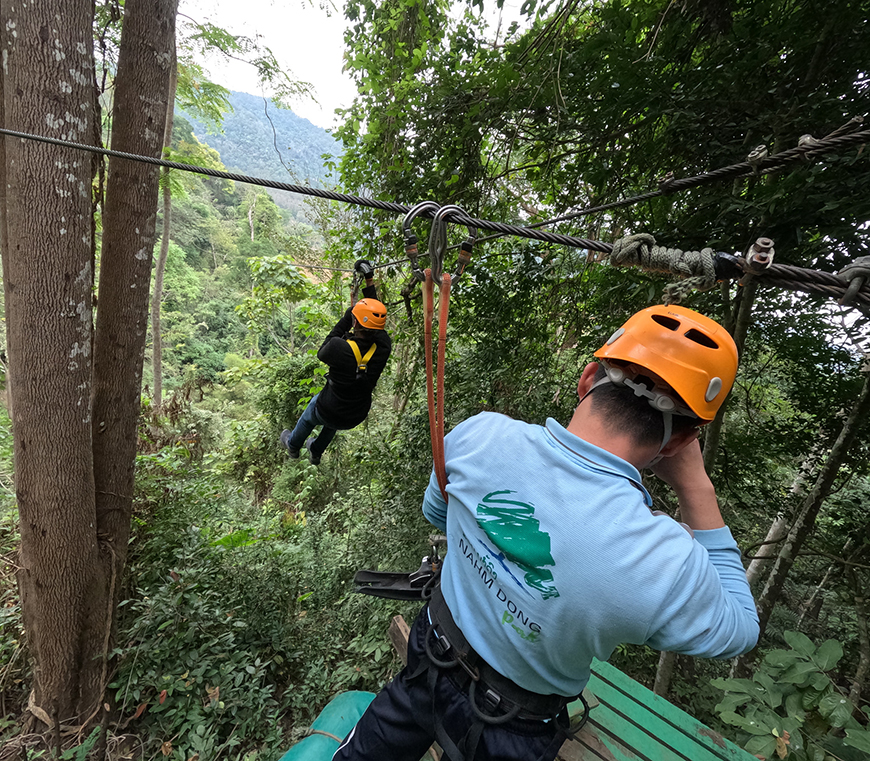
<point>45,216</point>
<point>863,667</point>
<point>712,435</point>
<point>146,58</point>
<point>779,528</point>
<point>813,605</point>
<point>160,266</point>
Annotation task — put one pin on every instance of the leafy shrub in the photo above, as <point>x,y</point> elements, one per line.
<point>791,706</point>
<point>199,659</point>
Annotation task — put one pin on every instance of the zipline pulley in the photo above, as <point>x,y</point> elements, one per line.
<point>437,240</point>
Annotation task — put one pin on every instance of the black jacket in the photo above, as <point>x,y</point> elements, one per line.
<point>345,400</point>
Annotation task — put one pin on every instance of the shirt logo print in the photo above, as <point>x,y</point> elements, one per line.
<point>511,525</point>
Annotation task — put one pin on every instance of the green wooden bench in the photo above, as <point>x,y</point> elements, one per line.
<point>628,722</point>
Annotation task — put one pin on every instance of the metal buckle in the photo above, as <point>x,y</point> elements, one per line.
<point>442,645</point>
<point>491,701</point>
<point>469,669</point>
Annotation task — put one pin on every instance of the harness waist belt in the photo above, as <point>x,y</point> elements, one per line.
<point>483,679</point>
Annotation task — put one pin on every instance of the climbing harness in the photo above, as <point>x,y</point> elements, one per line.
<point>361,360</point>
<point>494,699</point>
<point>447,648</point>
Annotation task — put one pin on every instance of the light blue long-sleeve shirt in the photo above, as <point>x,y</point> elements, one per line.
<point>556,558</point>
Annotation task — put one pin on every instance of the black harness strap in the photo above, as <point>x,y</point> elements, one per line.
<point>494,698</point>
<point>498,692</point>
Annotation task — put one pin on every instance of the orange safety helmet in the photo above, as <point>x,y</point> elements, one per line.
<point>693,354</point>
<point>370,313</point>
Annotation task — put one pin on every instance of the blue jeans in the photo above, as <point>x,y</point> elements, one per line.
<point>307,423</point>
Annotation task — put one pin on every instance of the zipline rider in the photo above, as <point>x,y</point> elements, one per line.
<point>556,556</point>
<point>356,350</point>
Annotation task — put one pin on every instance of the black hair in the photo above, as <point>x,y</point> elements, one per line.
<point>365,334</point>
<point>622,410</point>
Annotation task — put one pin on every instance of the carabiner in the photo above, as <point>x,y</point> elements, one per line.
<point>438,242</point>
<point>411,240</point>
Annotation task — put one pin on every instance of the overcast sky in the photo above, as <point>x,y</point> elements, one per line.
<point>306,40</point>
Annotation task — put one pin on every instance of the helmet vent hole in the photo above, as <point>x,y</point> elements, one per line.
<point>701,338</point>
<point>666,322</point>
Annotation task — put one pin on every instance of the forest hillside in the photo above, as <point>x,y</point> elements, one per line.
<point>259,139</point>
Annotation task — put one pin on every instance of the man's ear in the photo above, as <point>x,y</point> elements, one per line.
<point>587,379</point>
<point>678,441</point>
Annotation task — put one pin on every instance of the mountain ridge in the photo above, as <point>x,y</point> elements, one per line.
<point>259,139</point>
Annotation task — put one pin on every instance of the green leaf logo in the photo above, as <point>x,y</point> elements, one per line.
<point>513,528</point>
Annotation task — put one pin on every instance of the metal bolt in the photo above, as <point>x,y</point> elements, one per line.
<point>763,245</point>
<point>760,255</point>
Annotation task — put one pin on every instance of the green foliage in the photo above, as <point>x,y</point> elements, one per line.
<point>203,680</point>
<point>791,705</point>
<point>207,37</point>
<point>14,661</point>
<point>277,281</point>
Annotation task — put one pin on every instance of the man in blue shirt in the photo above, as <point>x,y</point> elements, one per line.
<point>556,557</point>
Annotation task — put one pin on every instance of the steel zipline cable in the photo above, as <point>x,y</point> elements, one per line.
<point>784,276</point>
<point>372,203</point>
<point>768,165</point>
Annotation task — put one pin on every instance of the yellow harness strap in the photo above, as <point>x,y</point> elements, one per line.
<point>361,361</point>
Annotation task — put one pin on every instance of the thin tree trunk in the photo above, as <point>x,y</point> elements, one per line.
<point>160,267</point>
<point>665,673</point>
<point>766,552</point>
<point>712,435</point>
<point>805,520</point>
<point>145,63</point>
<point>779,528</point>
<point>251,216</point>
<point>863,667</point>
<point>45,218</point>
<point>811,607</point>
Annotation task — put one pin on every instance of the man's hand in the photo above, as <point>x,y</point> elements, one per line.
<point>365,268</point>
<point>684,472</point>
<point>684,469</point>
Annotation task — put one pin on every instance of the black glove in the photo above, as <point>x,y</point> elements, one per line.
<point>364,267</point>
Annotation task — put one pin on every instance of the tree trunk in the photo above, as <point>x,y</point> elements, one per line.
<point>863,667</point>
<point>767,551</point>
<point>779,528</point>
<point>813,606</point>
<point>664,673</point>
<point>805,520</point>
<point>160,267</point>
<point>45,216</point>
<point>145,62</point>
<point>712,435</point>
<point>251,216</point>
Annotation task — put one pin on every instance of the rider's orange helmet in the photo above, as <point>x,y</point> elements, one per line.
<point>693,354</point>
<point>370,313</point>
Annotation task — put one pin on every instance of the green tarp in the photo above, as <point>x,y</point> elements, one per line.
<point>338,718</point>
